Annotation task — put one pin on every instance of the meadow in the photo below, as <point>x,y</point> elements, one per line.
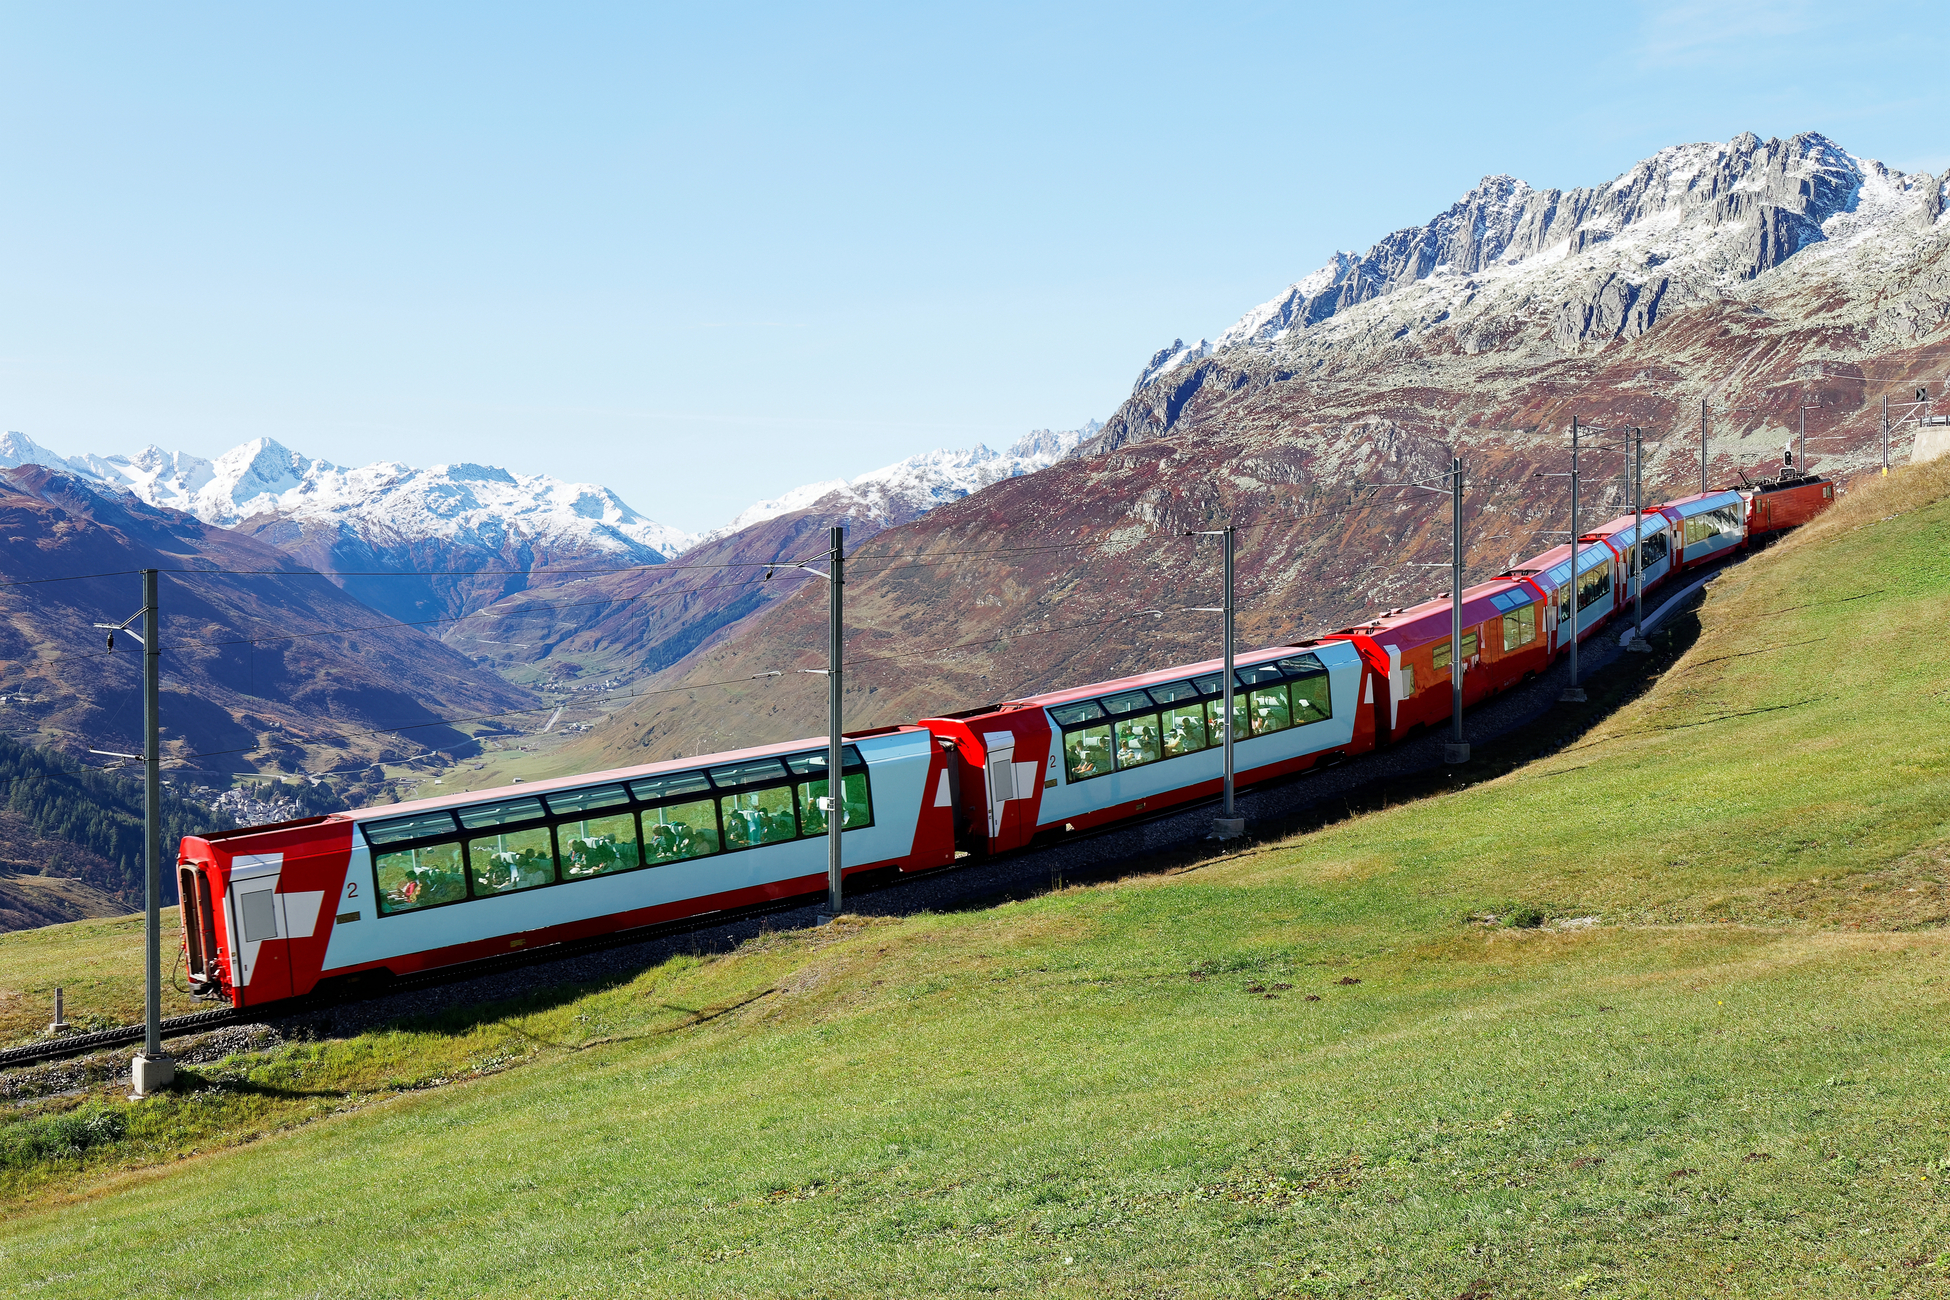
<point>1659,1014</point>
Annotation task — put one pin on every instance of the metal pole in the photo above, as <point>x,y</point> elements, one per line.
<point>1229,681</point>
<point>1638,641</point>
<point>1638,533</point>
<point>1702,444</point>
<point>1801,445</point>
<point>153,1071</point>
<point>1573,694</point>
<point>1885,435</point>
<point>835,742</point>
<point>1457,750</point>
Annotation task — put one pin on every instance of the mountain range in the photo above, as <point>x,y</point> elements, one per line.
<point>521,577</point>
<point>1716,291</point>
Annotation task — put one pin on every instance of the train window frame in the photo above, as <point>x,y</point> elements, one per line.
<point>1439,656</point>
<point>501,830</point>
<point>583,818</point>
<point>379,892</point>
<point>565,803</point>
<point>1519,626</point>
<point>1167,694</point>
<point>707,798</point>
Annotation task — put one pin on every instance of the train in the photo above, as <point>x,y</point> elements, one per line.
<point>271,913</point>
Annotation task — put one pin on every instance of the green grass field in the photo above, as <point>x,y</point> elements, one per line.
<point>1310,1068</point>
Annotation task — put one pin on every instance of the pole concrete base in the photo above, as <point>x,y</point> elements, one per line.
<point>1638,645</point>
<point>1455,752</point>
<point>824,917</point>
<point>1228,828</point>
<point>152,1074</point>
<point>1572,695</point>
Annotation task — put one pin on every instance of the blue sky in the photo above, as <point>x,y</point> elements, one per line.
<point>703,254</point>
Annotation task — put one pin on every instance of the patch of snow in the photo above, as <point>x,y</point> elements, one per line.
<point>909,488</point>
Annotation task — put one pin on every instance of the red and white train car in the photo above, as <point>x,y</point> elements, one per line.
<point>1506,639</point>
<point>1070,760</point>
<point>273,911</point>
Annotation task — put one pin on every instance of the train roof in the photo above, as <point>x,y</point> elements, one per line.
<point>1162,675</point>
<point>1621,530</point>
<point>1553,567</point>
<point>1701,502</point>
<point>1484,600</point>
<point>524,789</point>
<point>1783,485</point>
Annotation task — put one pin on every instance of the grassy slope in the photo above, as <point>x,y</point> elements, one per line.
<point>1735,1079</point>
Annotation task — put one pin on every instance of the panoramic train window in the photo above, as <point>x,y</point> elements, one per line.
<point>1138,727</point>
<point>509,861</point>
<point>1593,586</point>
<point>427,876</point>
<point>1136,740</point>
<point>1086,751</point>
<point>1519,626</point>
<point>526,842</point>
<point>856,803</point>
<point>501,813</point>
<point>656,789</point>
<point>1709,524</point>
<point>673,832</point>
<point>1213,686</point>
<point>1269,710</point>
<point>1184,729</point>
<point>758,817</point>
<point>1653,549</point>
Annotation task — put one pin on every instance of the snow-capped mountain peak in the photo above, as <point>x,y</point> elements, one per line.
<point>1692,221</point>
<point>910,488</point>
<point>385,503</point>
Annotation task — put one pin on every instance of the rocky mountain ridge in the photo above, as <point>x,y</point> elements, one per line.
<point>1511,274</point>
<point>1739,284</point>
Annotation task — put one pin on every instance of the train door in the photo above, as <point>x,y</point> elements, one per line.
<point>1395,685</point>
<point>1001,787</point>
<point>260,957</point>
<point>200,943</point>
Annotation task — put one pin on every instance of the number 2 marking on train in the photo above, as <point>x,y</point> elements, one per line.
<point>352,889</point>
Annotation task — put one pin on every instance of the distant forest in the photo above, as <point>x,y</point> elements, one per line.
<point>101,812</point>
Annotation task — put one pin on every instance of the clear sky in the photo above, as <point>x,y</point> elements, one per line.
<point>705,253</point>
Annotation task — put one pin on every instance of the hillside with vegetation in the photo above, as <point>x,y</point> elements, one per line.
<point>1660,1013</point>
<point>82,826</point>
